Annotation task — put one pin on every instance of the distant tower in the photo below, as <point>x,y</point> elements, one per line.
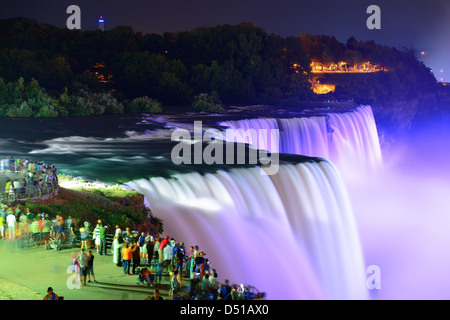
<point>101,24</point>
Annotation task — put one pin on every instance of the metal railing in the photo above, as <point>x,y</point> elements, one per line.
<point>31,192</point>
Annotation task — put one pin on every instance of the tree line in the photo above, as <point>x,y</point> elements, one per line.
<point>52,71</point>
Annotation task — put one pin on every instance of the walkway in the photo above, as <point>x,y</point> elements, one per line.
<point>27,273</point>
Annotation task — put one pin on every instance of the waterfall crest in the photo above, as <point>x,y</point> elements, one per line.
<point>348,139</point>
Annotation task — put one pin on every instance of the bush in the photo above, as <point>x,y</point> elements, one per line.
<point>144,104</point>
<point>21,111</point>
<point>208,103</point>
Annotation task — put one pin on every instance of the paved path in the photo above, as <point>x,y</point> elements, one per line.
<point>26,274</point>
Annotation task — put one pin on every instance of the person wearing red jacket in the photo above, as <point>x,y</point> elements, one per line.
<point>162,245</point>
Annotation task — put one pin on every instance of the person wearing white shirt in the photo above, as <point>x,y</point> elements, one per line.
<point>11,222</point>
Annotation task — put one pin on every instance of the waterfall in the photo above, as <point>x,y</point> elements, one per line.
<point>348,139</point>
<point>291,235</point>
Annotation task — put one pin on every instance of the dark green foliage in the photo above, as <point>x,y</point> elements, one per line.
<point>241,63</point>
<point>208,103</point>
<point>144,104</point>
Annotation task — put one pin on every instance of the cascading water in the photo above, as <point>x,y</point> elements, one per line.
<point>348,139</point>
<point>291,235</point>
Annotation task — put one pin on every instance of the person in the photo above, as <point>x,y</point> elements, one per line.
<point>59,228</point>
<point>205,288</point>
<point>127,235</point>
<point>11,193</point>
<point>214,284</point>
<point>174,285</point>
<point>178,257</point>
<point>68,225</point>
<point>84,232</point>
<point>76,267</point>
<point>30,216</point>
<point>71,227</point>
<point>189,261</point>
<point>8,186</point>
<point>168,254</point>
<point>22,217</point>
<point>142,246</point>
<point>225,291</point>
<point>150,245</point>
<point>198,262</point>
<point>16,185</point>
<point>51,295</point>
<point>83,260</point>
<point>103,229</point>
<point>234,292</point>
<point>161,247</point>
<point>157,269</point>
<point>205,268</point>
<point>155,248</point>
<point>192,262</point>
<point>90,267</point>
<point>179,295</point>
<point>194,288</point>
<point>117,245</point>
<point>45,230</point>
<point>155,296</point>
<point>96,235</point>
<point>11,221</point>
<point>2,227</point>
<point>135,253</point>
<point>127,255</point>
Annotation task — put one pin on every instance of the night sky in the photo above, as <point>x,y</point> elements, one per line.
<point>421,24</point>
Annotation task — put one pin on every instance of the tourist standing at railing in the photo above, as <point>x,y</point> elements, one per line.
<point>96,236</point>
<point>117,247</point>
<point>16,184</point>
<point>5,163</point>
<point>23,190</point>
<point>103,229</point>
<point>84,233</point>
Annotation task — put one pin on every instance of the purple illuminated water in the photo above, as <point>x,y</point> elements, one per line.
<point>399,217</point>
<point>347,139</point>
<point>292,235</point>
<point>403,217</point>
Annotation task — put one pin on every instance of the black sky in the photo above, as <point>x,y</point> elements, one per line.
<point>422,24</point>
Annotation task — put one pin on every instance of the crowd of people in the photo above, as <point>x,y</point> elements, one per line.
<point>32,177</point>
<point>150,257</point>
<point>190,273</point>
<point>17,222</point>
